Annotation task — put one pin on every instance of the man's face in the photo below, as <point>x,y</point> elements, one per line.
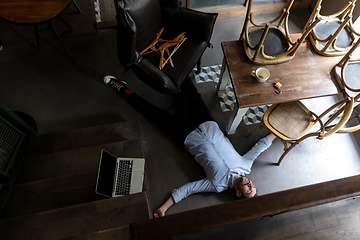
<point>246,187</point>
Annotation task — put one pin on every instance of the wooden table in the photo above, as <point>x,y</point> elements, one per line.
<point>31,11</point>
<point>34,12</point>
<point>307,75</point>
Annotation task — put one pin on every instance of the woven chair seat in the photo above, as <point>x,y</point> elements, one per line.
<point>290,119</point>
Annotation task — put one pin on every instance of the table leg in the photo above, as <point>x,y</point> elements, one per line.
<point>37,36</point>
<point>53,30</point>
<point>77,6</point>
<point>198,64</point>
<point>235,119</point>
<point>224,78</point>
<point>66,23</point>
<point>238,113</point>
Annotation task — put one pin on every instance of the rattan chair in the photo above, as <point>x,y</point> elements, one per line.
<point>347,71</point>
<point>292,122</point>
<point>271,43</point>
<point>333,34</point>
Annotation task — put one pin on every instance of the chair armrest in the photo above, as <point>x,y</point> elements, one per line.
<point>153,76</point>
<point>126,35</point>
<point>194,23</point>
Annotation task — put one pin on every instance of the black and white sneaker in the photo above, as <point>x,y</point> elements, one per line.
<point>113,82</point>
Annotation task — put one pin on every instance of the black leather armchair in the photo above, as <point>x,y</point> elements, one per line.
<point>139,21</point>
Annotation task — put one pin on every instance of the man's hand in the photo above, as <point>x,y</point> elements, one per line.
<point>159,213</point>
<point>271,136</point>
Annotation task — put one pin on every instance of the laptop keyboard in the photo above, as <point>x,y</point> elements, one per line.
<point>123,179</point>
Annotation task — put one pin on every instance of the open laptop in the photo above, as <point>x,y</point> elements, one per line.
<point>118,176</point>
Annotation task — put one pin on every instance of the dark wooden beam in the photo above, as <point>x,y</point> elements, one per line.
<point>242,210</point>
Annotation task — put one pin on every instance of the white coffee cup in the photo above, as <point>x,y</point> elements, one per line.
<point>261,74</point>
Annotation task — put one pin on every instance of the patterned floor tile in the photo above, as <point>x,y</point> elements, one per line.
<point>97,11</point>
<point>208,74</point>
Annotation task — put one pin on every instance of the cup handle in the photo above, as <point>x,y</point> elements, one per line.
<point>253,73</point>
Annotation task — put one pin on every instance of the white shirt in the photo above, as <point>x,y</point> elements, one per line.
<point>221,162</point>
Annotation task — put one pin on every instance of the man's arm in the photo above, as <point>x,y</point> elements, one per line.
<point>263,144</point>
<point>160,212</point>
<point>271,136</point>
<point>184,191</point>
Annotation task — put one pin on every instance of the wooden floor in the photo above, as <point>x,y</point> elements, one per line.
<point>54,195</point>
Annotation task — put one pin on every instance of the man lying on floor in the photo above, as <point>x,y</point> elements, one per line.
<point>202,137</point>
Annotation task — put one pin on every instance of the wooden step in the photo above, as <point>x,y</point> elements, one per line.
<point>118,233</point>
<point>73,161</point>
<point>85,137</point>
<point>49,194</point>
<point>97,219</point>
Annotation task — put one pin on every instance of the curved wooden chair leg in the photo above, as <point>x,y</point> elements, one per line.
<point>286,152</point>
<point>280,159</point>
<point>293,144</point>
<point>285,145</point>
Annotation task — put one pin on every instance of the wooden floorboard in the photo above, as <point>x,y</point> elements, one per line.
<point>337,220</point>
<point>85,137</point>
<point>328,221</point>
<point>73,161</point>
<point>76,221</point>
<point>350,232</point>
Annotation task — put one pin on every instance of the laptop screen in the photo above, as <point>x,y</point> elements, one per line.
<point>106,174</point>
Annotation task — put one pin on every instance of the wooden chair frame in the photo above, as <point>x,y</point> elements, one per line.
<point>344,16</point>
<point>339,72</point>
<point>339,69</point>
<point>256,53</point>
<point>343,108</point>
<point>163,48</point>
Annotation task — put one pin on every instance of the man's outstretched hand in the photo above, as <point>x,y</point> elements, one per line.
<point>159,213</point>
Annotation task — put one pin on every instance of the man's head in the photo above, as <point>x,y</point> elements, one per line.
<point>244,187</point>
